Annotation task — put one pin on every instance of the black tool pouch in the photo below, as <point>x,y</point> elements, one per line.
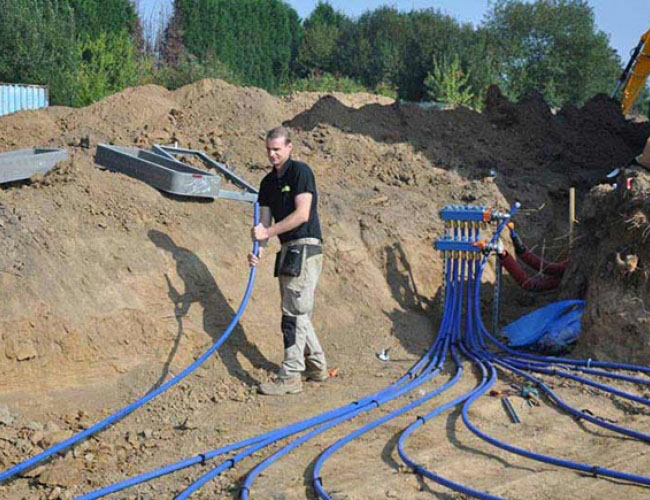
<point>292,263</point>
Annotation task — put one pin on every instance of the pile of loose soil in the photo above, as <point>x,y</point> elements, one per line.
<point>111,287</point>
<point>613,270</point>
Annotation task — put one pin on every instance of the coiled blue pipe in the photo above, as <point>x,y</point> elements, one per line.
<point>317,481</point>
<point>444,331</point>
<point>613,427</point>
<point>595,470</point>
<point>418,469</point>
<point>17,469</point>
<point>479,390</point>
<point>325,422</point>
<point>589,371</point>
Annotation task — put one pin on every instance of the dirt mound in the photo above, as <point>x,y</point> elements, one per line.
<point>110,287</point>
<point>580,143</point>
<point>613,273</point>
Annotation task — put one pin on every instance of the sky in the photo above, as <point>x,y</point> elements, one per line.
<point>624,21</point>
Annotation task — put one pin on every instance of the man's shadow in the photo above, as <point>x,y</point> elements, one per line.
<point>201,288</point>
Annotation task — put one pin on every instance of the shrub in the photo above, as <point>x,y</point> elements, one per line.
<point>324,82</point>
<point>448,83</point>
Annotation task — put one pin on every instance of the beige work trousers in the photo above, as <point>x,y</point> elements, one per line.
<point>302,350</point>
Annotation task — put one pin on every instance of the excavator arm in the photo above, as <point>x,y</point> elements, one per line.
<point>635,73</point>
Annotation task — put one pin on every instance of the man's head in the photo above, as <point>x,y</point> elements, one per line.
<point>278,146</point>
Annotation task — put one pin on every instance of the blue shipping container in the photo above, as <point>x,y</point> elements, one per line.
<point>19,97</point>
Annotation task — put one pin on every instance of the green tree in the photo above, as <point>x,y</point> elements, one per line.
<point>108,65</point>
<point>385,49</point>
<point>431,35</point>
<point>448,83</point>
<point>382,34</point>
<point>551,46</point>
<point>258,39</point>
<point>480,64</point>
<point>35,46</point>
<point>95,17</point>
<point>319,45</point>
<point>324,82</point>
<point>82,49</point>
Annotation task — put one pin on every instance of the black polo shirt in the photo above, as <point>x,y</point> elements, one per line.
<point>278,191</point>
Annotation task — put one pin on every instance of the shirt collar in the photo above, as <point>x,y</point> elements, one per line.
<point>283,168</point>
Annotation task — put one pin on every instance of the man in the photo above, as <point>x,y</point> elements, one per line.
<point>288,196</point>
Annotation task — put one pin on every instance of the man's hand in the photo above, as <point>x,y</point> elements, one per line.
<point>254,260</point>
<point>260,233</point>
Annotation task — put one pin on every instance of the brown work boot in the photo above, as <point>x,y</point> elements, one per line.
<point>281,386</point>
<point>317,375</point>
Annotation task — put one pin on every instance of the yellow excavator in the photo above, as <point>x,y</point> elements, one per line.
<point>635,73</point>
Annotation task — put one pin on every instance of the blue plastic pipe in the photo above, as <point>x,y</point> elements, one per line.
<point>256,443</point>
<point>477,352</point>
<point>463,284</point>
<point>368,404</point>
<point>372,404</point>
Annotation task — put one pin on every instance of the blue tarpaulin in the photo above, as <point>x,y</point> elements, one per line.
<point>551,328</point>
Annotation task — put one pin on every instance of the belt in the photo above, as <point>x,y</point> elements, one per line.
<point>313,246</point>
<point>303,241</point>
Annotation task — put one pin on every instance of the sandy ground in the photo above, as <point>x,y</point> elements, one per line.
<point>109,288</point>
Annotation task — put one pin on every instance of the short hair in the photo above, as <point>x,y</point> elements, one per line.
<point>277,133</point>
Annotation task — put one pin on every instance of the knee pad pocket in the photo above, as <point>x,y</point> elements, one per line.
<point>288,331</point>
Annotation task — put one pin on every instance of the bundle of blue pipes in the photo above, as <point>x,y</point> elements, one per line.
<point>461,335</point>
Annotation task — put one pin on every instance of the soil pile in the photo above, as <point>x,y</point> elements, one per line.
<point>613,271</point>
<point>110,287</point>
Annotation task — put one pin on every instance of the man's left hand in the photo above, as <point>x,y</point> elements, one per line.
<point>260,233</point>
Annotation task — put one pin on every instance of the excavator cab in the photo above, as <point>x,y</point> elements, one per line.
<point>635,73</point>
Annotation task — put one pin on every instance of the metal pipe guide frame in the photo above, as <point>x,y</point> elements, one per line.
<point>23,163</point>
<point>159,168</point>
